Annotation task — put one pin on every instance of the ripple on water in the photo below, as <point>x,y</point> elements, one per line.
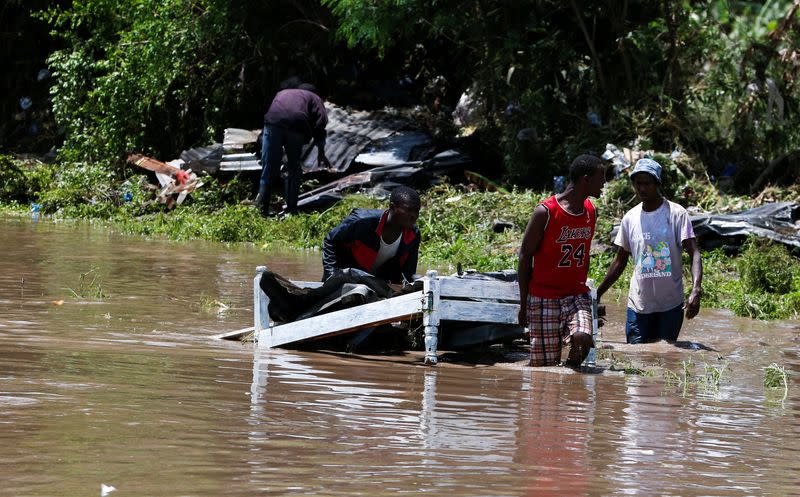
<point>14,401</point>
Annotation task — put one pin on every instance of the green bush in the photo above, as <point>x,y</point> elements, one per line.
<point>13,183</point>
<point>160,76</point>
<point>721,281</point>
<point>21,181</point>
<point>766,305</point>
<point>231,223</point>
<point>618,197</point>
<point>216,193</point>
<point>309,229</point>
<point>82,189</point>
<point>456,226</point>
<point>236,223</point>
<point>767,267</point>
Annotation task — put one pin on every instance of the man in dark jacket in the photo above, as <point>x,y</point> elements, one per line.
<point>382,243</point>
<point>295,116</point>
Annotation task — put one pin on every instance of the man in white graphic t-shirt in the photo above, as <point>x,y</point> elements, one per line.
<point>654,233</point>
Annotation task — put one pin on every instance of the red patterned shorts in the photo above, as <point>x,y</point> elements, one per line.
<point>552,322</point>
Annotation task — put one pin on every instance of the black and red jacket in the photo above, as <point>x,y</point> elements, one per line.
<point>355,244</point>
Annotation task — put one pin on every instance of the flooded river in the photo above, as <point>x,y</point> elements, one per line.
<point>130,390</point>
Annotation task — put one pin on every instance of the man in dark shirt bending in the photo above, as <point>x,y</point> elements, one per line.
<point>295,116</point>
<point>384,243</point>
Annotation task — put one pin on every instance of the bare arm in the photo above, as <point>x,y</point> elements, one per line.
<point>614,271</point>
<point>531,241</point>
<point>693,302</point>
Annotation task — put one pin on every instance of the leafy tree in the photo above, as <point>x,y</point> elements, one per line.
<point>161,75</point>
<point>556,78</point>
<point>579,73</point>
<point>742,106</point>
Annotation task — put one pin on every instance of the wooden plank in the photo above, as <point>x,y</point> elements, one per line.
<point>373,314</point>
<point>153,165</point>
<point>484,312</point>
<point>261,319</point>
<point>234,335</point>
<point>483,289</point>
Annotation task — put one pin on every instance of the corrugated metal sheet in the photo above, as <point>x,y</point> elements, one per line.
<point>349,132</point>
<point>238,145</point>
<point>203,158</point>
<point>235,140</point>
<point>400,148</point>
<point>386,178</point>
<point>240,162</point>
<point>379,138</point>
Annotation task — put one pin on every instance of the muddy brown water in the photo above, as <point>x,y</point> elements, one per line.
<point>132,392</point>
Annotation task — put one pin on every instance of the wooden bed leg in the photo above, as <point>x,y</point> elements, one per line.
<point>261,323</point>
<point>430,316</point>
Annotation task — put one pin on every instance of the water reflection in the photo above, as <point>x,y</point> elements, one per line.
<point>131,391</point>
<point>557,428</point>
<point>435,425</point>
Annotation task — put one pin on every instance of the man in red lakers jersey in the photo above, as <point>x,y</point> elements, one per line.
<point>553,265</point>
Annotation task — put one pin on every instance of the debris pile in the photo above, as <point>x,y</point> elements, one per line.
<point>176,183</point>
<point>368,151</point>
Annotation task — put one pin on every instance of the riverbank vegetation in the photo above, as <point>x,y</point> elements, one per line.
<point>456,220</point>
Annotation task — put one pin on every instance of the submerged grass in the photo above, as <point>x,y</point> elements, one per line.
<point>775,376</point>
<point>630,369</point>
<point>214,306</point>
<point>712,375</point>
<point>700,378</point>
<point>689,377</point>
<point>89,286</point>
